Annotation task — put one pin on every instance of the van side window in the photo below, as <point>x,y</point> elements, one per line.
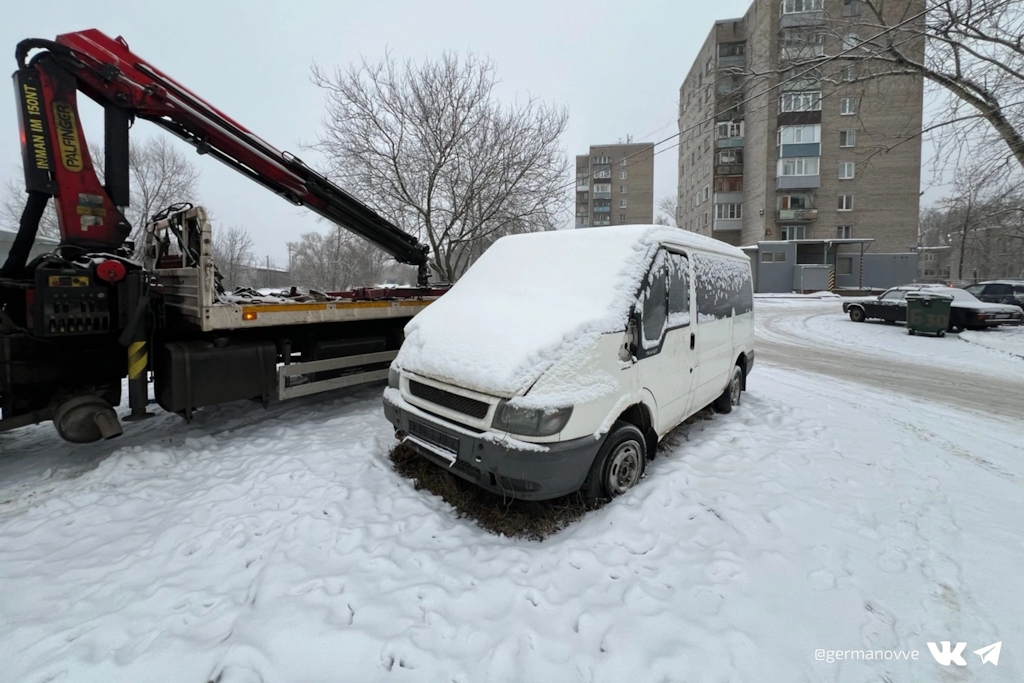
<point>678,291</point>
<point>723,286</point>
<point>655,296</point>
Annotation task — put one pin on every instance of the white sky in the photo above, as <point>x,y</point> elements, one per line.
<point>617,65</point>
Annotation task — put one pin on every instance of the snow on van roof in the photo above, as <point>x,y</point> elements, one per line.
<point>532,298</point>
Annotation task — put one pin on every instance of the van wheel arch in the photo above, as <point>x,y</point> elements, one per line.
<point>741,362</point>
<point>639,415</point>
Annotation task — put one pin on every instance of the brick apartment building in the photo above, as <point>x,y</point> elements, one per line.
<point>779,143</point>
<point>615,185</point>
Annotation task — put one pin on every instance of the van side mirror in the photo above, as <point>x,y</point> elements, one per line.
<point>629,346</point>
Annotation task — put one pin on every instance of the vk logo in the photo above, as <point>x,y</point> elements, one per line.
<point>945,656</point>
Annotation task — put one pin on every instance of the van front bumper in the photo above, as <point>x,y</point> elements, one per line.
<point>507,470</point>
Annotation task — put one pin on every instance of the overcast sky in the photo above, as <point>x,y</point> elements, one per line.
<point>616,65</point>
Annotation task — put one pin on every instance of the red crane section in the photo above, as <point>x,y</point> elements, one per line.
<point>57,161</point>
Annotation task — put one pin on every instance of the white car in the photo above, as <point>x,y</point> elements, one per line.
<point>560,358</point>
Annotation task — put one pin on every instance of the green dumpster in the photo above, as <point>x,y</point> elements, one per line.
<point>928,312</point>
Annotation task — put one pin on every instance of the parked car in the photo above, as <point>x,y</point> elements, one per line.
<point>1009,292</point>
<point>559,360</point>
<point>966,311</point>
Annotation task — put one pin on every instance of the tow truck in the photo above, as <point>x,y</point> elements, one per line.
<point>75,322</point>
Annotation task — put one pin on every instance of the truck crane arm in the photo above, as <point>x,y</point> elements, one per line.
<point>57,161</point>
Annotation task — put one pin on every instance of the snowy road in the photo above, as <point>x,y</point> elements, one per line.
<point>280,545</point>
<point>986,375</point>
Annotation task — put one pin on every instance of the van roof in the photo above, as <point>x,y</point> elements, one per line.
<point>533,298</point>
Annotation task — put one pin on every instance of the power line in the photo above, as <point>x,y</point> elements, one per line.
<point>792,78</point>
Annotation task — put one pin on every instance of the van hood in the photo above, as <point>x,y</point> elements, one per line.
<point>530,301</point>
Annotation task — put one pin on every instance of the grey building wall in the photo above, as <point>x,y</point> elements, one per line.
<point>887,125</point>
<point>636,189</point>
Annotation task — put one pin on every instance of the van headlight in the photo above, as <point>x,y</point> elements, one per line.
<point>530,421</point>
<point>394,377</point>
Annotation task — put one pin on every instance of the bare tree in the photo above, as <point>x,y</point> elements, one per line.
<point>233,255</point>
<point>431,147</point>
<point>160,175</point>
<point>12,203</point>
<point>668,213</point>
<point>320,261</point>
<point>972,51</point>
<point>982,222</point>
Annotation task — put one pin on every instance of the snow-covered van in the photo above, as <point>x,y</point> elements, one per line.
<point>560,358</point>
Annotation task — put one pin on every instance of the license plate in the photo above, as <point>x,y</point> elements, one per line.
<point>434,436</point>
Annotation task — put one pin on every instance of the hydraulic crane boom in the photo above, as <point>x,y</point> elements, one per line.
<point>57,161</point>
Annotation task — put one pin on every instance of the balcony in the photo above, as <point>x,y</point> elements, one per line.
<point>602,209</point>
<point>602,195</point>
<point>798,19</point>
<point>728,142</point>
<point>797,182</point>
<point>727,224</point>
<point>582,186</point>
<point>728,198</point>
<point>801,149</point>
<point>732,62</point>
<point>730,169</point>
<point>797,215</point>
<point>801,52</point>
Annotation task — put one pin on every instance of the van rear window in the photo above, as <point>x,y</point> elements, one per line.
<point>723,286</point>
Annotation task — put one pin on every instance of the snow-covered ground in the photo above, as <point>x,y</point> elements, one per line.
<point>279,545</point>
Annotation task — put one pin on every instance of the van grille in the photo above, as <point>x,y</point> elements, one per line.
<point>446,399</point>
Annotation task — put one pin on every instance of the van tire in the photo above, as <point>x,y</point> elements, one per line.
<point>619,465</point>
<point>732,394</point>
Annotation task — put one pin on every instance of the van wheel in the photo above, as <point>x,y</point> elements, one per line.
<point>857,314</point>
<point>619,464</point>
<point>731,396</point>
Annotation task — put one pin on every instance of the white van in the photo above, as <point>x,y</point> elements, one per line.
<point>561,358</point>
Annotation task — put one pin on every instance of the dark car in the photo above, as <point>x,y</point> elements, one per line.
<point>1010,292</point>
<point>966,312</point>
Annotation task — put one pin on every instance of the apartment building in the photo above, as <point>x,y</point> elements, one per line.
<point>615,185</point>
<point>789,131</point>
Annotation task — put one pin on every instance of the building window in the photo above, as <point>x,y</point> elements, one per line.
<point>707,193</point>
<point>792,232</point>
<point>847,106</point>
<point>844,232</point>
<point>796,201</point>
<point>729,184</point>
<point>849,73</point>
<point>846,202</point>
<point>800,101</point>
<point>727,211</point>
<point>795,135</point>
<point>798,166</point>
<point>851,40</point>
<point>730,129</point>
<point>796,6</point>
<point>732,49</point>
<point>705,218</point>
<point>773,257</point>
<point>846,170</point>
<point>622,203</point>
<point>622,175</point>
<point>847,138</point>
<point>622,189</point>
<point>730,156</point>
<point>624,160</point>
<point>601,160</point>
<point>844,265</point>
<point>851,8</point>
<point>604,189</point>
